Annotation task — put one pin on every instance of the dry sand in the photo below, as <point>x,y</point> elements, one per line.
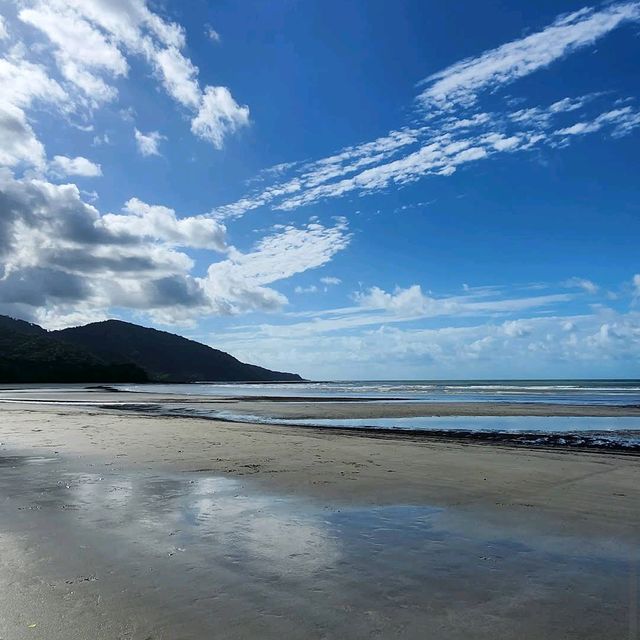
<point>352,537</point>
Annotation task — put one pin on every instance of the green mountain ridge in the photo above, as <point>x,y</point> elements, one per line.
<point>117,351</point>
<point>28,353</point>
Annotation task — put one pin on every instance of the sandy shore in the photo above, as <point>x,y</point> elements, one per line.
<point>345,541</point>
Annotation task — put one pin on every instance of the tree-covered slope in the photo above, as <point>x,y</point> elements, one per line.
<point>28,353</point>
<point>165,356</point>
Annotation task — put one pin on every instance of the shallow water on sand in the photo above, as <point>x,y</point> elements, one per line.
<point>189,555</point>
<point>610,431</point>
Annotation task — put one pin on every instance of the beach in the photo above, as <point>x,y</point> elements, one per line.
<point>117,523</point>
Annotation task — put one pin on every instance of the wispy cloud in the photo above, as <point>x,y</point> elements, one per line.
<point>376,307</point>
<point>461,83</point>
<point>582,283</point>
<point>454,131</point>
<point>240,282</point>
<point>436,150</point>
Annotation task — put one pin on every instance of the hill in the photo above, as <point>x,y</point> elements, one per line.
<point>166,357</point>
<point>28,353</point>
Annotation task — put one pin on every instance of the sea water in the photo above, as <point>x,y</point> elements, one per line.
<point>608,392</point>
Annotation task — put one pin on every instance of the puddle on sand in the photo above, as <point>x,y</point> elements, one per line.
<point>212,553</point>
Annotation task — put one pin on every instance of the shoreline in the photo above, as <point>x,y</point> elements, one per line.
<point>306,407</point>
<point>300,414</point>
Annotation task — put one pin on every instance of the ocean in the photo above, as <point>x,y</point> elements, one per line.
<point>608,392</point>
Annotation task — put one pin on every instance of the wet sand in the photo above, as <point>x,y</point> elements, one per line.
<point>122,525</point>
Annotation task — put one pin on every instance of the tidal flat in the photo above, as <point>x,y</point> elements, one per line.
<point>118,524</point>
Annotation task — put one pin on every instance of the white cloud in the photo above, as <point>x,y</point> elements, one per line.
<point>161,223</point>
<point>636,285</point>
<point>437,150</point>
<point>212,34</point>
<point>79,166</point>
<point>239,283</point>
<point>18,141</point>
<point>26,85</point>
<point>452,134</point>
<point>516,328</point>
<point>99,140</point>
<point>582,283</point>
<point>91,39</point>
<point>622,121</point>
<point>218,115</point>
<point>60,256</point>
<point>3,29</point>
<point>148,143</point>
<point>598,344</point>
<point>81,50</point>
<point>326,281</point>
<point>23,84</point>
<point>461,82</point>
<point>310,289</point>
<point>376,307</point>
<point>179,76</point>
<point>412,303</point>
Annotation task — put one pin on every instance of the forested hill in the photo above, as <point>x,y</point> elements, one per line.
<point>116,351</point>
<point>28,353</point>
<point>165,356</point>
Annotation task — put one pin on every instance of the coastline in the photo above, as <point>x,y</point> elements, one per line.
<point>401,419</point>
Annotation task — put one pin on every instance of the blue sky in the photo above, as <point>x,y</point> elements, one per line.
<point>347,190</point>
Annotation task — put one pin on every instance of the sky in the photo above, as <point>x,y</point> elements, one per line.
<point>347,190</point>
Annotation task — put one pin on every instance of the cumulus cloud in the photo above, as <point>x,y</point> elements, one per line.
<point>218,115</point>
<point>79,166</point>
<point>148,143</point>
<point>161,223</point>
<point>3,29</point>
<point>60,255</point>
<point>58,251</point>
<point>23,85</point>
<point>18,141</point>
